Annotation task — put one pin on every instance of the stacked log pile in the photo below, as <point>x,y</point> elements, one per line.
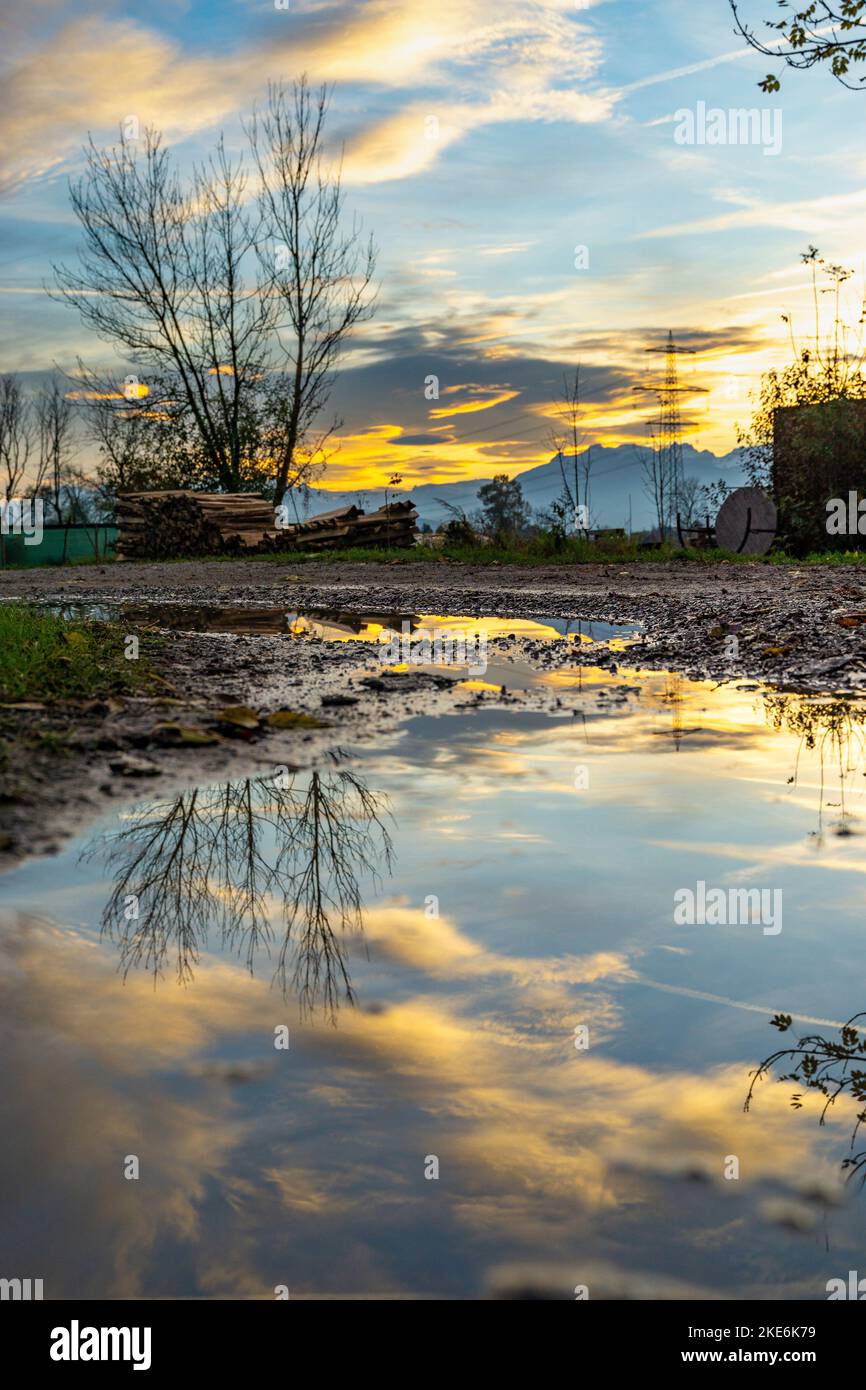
<point>162,525</point>
<point>390,526</point>
<point>165,525</point>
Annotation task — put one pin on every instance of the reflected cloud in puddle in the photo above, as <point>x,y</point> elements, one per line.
<point>470,907</point>
<point>338,625</point>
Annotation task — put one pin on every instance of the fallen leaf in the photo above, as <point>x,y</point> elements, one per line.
<point>169,701</point>
<point>292,719</point>
<point>239,717</point>
<point>183,735</point>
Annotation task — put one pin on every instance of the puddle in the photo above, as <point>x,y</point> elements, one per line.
<point>434,922</point>
<point>336,625</point>
<point>488,654</point>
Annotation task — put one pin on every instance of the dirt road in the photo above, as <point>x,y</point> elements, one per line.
<point>797,629</point>
<point>795,626</point>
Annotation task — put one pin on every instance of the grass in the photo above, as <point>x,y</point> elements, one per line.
<point>536,552</point>
<point>45,658</point>
<point>533,552</point>
<point>822,557</point>
<point>539,551</point>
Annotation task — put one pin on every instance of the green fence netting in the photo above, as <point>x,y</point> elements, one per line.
<point>60,545</point>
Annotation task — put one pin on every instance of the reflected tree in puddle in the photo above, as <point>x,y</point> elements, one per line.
<point>834,730</point>
<point>831,1069</point>
<point>273,865</point>
<point>672,696</point>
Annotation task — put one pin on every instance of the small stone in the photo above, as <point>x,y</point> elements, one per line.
<point>128,765</point>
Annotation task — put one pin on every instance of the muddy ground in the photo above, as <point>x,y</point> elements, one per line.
<point>796,629</point>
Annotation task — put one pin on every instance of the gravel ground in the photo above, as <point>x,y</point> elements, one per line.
<point>797,629</point>
<point>800,628</point>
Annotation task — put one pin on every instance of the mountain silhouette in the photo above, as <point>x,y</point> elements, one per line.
<point>616,477</point>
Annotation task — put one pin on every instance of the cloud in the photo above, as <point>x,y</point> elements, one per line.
<point>88,74</point>
<point>407,143</point>
<point>474,1062</point>
<point>807,215</point>
<point>674,74</point>
<point>472,407</point>
<point>505,250</point>
<point>449,99</point>
<point>436,946</point>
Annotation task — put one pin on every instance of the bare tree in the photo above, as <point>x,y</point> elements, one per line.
<point>140,440</point>
<point>53,423</point>
<point>690,500</point>
<point>321,272</point>
<point>162,275</point>
<point>567,438</point>
<point>17,439</point>
<point>236,306</point>
<point>658,484</point>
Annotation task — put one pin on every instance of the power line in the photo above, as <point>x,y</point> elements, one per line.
<point>526,414</point>
<point>600,473</point>
<point>458,439</point>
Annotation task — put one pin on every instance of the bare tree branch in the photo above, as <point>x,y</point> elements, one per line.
<point>320,273</point>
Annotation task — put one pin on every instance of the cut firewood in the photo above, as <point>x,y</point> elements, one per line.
<point>173,523</point>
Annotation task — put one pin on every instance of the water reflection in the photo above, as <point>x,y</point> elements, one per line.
<point>270,864</point>
<point>338,624</point>
<point>243,621</point>
<point>833,1070</point>
<point>834,730</point>
<point>553,910</point>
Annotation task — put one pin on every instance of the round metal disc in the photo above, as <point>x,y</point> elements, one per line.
<point>746,523</point>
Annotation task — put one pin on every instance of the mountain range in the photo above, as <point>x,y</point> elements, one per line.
<point>617,491</point>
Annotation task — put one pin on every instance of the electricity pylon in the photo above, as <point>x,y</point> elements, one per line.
<point>668,441</point>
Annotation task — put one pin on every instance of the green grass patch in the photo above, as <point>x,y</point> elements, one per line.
<point>822,558</point>
<point>540,551</point>
<point>534,552</point>
<point>47,658</point>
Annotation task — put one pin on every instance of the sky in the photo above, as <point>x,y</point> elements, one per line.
<point>524,170</point>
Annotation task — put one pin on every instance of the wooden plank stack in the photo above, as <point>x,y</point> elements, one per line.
<point>392,526</point>
<point>169,524</point>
